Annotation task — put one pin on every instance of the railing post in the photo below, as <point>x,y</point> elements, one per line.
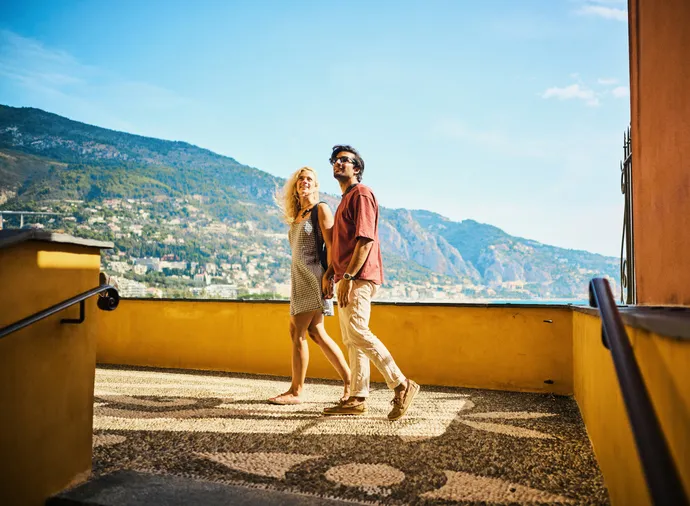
<point>627,262</point>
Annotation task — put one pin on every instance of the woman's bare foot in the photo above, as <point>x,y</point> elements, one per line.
<point>285,399</point>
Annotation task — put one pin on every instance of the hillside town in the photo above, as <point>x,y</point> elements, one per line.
<point>173,248</point>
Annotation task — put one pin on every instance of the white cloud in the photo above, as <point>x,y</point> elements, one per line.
<point>574,91</point>
<point>603,12</point>
<point>49,72</point>
<point>620,91</point>
<point>607,81</point>
<point>27,60</point>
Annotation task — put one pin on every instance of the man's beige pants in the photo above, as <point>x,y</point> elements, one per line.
<point>362,345</point>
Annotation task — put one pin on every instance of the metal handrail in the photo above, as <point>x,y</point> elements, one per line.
<point>663,480</point>
<point>108,301</point>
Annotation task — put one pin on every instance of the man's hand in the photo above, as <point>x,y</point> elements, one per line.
<point>327,286</point>
<point>344,292</point>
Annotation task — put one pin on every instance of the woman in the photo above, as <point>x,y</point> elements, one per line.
<point>307,303</point>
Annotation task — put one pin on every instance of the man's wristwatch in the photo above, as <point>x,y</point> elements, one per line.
<point>348,277</point>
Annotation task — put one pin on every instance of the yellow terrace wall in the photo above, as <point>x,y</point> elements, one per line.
<point>665,366</point>
<point>502,347</point>
<point>46,371</point>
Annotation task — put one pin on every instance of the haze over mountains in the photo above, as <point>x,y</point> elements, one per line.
<point>46,159</point>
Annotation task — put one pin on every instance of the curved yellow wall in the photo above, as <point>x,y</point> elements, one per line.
<point>46,371</point>
<point>495,347</point>
<point>665,366</point>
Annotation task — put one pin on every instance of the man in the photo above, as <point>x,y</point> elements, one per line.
<point>357,269</point>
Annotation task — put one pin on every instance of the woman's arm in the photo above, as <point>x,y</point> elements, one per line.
<point>326,226</point>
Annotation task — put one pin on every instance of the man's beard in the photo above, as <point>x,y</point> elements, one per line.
<point>341,177</point>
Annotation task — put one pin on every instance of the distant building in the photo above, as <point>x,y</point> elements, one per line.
<point>221,291</point>
<point>120,267</point>
<point>200,279</point>
<point>151,263</point>
<point>173,265</point>
<point>156,293</point>
<point>129,288</point>
<point>217,228</point>
<point>140,269</point>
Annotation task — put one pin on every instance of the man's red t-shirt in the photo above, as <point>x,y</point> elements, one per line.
<point>357,216</point>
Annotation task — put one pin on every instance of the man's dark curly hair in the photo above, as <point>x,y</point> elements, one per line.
<point>359,161</point>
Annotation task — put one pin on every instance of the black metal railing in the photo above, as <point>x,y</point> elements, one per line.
<point>627,264</point>
<point>108,300</point>
<point>663,480</point>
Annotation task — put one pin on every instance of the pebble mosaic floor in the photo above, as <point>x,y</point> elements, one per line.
<point>454,445</point>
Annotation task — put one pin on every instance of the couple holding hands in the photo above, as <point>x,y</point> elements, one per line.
<point>354,270</point>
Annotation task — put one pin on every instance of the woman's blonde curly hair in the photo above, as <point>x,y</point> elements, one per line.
<point>287,198</point>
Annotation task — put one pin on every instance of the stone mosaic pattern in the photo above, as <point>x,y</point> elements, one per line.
<point>455,445</point>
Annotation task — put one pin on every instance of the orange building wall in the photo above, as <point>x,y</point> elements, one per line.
<point>660,101</point>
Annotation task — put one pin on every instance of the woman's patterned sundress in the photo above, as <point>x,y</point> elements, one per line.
<point>306,272</point>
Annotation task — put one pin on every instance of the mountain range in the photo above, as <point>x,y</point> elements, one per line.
<point>45,157</point>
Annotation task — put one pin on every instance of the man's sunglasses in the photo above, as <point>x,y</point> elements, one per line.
<point>343,160</point>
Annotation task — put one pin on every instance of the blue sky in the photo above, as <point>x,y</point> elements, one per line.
<point>508,112</point>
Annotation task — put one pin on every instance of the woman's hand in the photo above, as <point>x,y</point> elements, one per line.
<point>327,286</point>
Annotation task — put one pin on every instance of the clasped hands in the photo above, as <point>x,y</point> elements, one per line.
<point>344,289</point>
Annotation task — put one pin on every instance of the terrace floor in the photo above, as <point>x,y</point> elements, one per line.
<point>454,445</point>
